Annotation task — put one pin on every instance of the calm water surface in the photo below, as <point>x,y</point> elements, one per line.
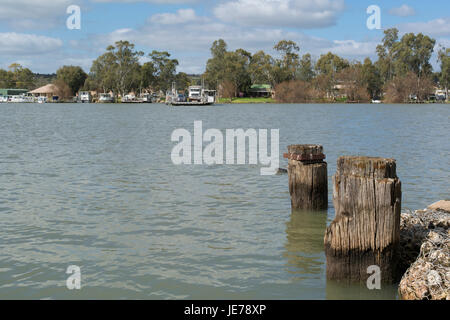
<point>94,186</point>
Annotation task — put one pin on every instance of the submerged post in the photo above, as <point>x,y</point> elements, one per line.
<point>308,179</point>
<point>366,231</point>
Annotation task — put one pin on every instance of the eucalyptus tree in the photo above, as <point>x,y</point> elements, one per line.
<point>165,69</point>
<point>372,78</point>
<point>18,77</point>
<point>125,65</point>
<point>260,68</point>
<point>215,71</point>
<point>306,68</point>
<point>385,53</point>
<point>288,64</point>
<point>444,58</point>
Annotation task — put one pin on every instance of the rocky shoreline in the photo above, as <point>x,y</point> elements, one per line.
<point>425,253</point>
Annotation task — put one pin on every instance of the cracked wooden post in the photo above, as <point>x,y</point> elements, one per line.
<point>366,231</point>
<point>308,179</point>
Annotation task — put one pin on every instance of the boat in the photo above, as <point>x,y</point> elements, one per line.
<point>206,97</point>
<point>105,98</point>
<point>147,98</point>
<point>376,101</point>
<point>131,98</point>
<point>42,99</point>
<point>85,97</point>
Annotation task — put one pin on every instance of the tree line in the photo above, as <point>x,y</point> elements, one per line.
<point>402,71</point>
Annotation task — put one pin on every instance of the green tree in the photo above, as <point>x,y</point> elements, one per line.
<point>236,65</point>
<point>215,67</point>
<point>165,69</point>
<point>73,76</point>
<point>147,75</point>
<point>183,81</point>
<point>117,69</point>
<point>19,77</point>
<point>102,75</point>
<point>126,65</point>
<point>306,69</point>
<point>372,79</point>
<point>385,52</point>
<point>6,79</point>
<point>413,53</point>
<point>261,68</point>
<point>330,64</point>
<point>444,58</point>
<point>287,66</point>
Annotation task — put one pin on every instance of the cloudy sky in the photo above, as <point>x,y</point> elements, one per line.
<point>34,32</point>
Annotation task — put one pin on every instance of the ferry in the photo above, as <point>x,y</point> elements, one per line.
<point>198,96</point>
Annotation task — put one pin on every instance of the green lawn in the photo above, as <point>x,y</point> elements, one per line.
<point>247,100</point>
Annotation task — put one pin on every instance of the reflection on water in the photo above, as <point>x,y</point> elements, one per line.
<point>304,246</point>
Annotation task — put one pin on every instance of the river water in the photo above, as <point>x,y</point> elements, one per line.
<point>94,186</point>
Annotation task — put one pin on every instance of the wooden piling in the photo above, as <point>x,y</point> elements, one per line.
<point>308,179</point>
<point>366,230</point>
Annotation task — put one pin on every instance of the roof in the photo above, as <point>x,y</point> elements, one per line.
<point>261,86</point>
<point>12,91</point>
<point>49,88</point>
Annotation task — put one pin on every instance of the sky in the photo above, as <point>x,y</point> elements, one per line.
<point>34,32</point>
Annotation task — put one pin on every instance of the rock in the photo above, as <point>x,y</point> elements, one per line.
<point>443,205</point>
<point>425,249</point>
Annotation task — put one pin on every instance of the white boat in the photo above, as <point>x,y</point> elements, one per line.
<point>85,97</point>
<point>376,101</point>
<point>42,99</point>
<point>4,99</point>
<point>205,98</point>
<point>105,98</point>
<point>23,98</point>
<point>146,98</point>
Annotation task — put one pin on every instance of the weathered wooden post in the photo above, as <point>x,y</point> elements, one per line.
<point>366,231</point>
<point>308,179</point>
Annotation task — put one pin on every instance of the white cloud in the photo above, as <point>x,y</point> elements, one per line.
<point>281,13</point>
<point>17,44</point>
<point>191,45</point>
<point>436,28</point>
<point>402,11</point>
<point>352,48</point>
<point>180,17</point>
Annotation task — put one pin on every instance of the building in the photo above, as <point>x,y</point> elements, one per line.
<point>50,91</point>
<point>261,90</point>
<point>12,92</point>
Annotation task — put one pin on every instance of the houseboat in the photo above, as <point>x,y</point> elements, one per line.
<point>105,98</point>
<point>85,97</point>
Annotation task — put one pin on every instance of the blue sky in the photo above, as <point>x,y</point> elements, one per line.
<point>34,32</point>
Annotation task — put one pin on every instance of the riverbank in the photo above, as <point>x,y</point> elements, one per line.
<point>273,101</point>
<point>425,253</point>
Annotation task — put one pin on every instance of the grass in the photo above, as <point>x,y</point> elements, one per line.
<point>247,100</point>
